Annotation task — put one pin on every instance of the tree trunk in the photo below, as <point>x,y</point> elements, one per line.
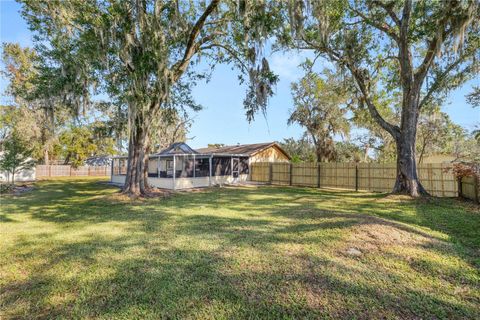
<point>365,154</point>
<point>319,154</point>
<point>146,161</point>
<point>135,180</point>
<point>407,181</point>
<point>46,158</point>
<point>422,151</point>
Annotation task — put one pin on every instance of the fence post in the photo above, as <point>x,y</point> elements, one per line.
<point>270,172</point>
<point>291,172</point>
<point>70,171</point>
<point>49,171</point>
<point>318,174</point>
<point>475,186</point>
<point>459,182</point>
<point>356,177</point>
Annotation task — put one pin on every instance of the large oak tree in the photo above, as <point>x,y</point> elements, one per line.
<point>416,50</point>
<point>141,50</point>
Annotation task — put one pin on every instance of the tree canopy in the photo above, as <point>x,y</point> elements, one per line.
<point>140,52</point>
<point>320,105</point>
<point>415,52</point>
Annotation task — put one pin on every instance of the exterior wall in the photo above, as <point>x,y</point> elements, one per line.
<point>117,179</point>
<point>163,183</point>
<point>186,183</point>
<point>271,154</point>
<point>219,180</point>
<point>23,175</point>
<point>152,165</point>
<point>439,158</point>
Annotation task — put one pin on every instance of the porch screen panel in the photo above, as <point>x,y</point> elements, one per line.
<point>116,166</point>
<point>244,165</point>
<point>152,167</point>
<point>184,166</point>
<point>166,167</point>
<point>122,167</point>
<point>202,167</point>
<point>222,166</point>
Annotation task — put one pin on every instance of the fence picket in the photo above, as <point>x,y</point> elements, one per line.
<point>44,171</point>
<point>375,177</point>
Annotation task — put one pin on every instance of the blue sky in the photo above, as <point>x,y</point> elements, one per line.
<point>223,118</point>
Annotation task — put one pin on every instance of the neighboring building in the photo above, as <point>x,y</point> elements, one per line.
<point>181,167</point>
<point>22,176</point>
<point>439,158</point>
<point>98,161</point>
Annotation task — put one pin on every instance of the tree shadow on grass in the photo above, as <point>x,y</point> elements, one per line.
<point>183,257</point>
<point>175,282</point>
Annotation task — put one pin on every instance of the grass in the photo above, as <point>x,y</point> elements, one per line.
<point>74,249</point>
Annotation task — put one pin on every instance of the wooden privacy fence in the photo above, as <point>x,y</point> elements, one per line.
<point>44,171</point>
<point>469,187</point>
<point>363,176</point>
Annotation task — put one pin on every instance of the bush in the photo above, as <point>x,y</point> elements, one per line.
<point>6,188</point>
<point>466,169</point>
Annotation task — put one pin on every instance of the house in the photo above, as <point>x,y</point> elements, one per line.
<point>21,176</point>
<point>181,167</point>
<point>257,152</point>
<point>439,158</point>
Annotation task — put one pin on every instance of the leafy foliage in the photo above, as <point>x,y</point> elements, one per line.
<point>347,151</point>
<point>320,107</point>
<point>142,52</point>
<point>38,107</point>
<point>301,150</point>
<point>15,156</point>
<point>79,143</point>
<point>416,52</point>
<point>474,97</point>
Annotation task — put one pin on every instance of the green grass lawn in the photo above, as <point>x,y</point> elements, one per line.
<point>73,249</point>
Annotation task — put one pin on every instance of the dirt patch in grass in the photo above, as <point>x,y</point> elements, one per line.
<point>375,234</point>
<point>154,193</point>
<point>16,190</point>
<point>119,197</point>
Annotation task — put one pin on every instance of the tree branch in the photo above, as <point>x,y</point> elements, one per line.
<point>191,48</point>
<point>388,8</point>
<point>405,57</point>
<point>439,80</point>
<point>385,28</point>
<point>434,47</point>
<point>229,50</point>
<point>359,79</point>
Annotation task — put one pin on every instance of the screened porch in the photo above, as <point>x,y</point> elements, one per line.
<point>180,171</point>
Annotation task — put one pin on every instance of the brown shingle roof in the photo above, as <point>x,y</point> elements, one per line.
<point>248,149</point>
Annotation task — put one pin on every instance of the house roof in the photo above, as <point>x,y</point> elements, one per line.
<point>247,149</point>
<point>181,148</point>
<point>177,148</point>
